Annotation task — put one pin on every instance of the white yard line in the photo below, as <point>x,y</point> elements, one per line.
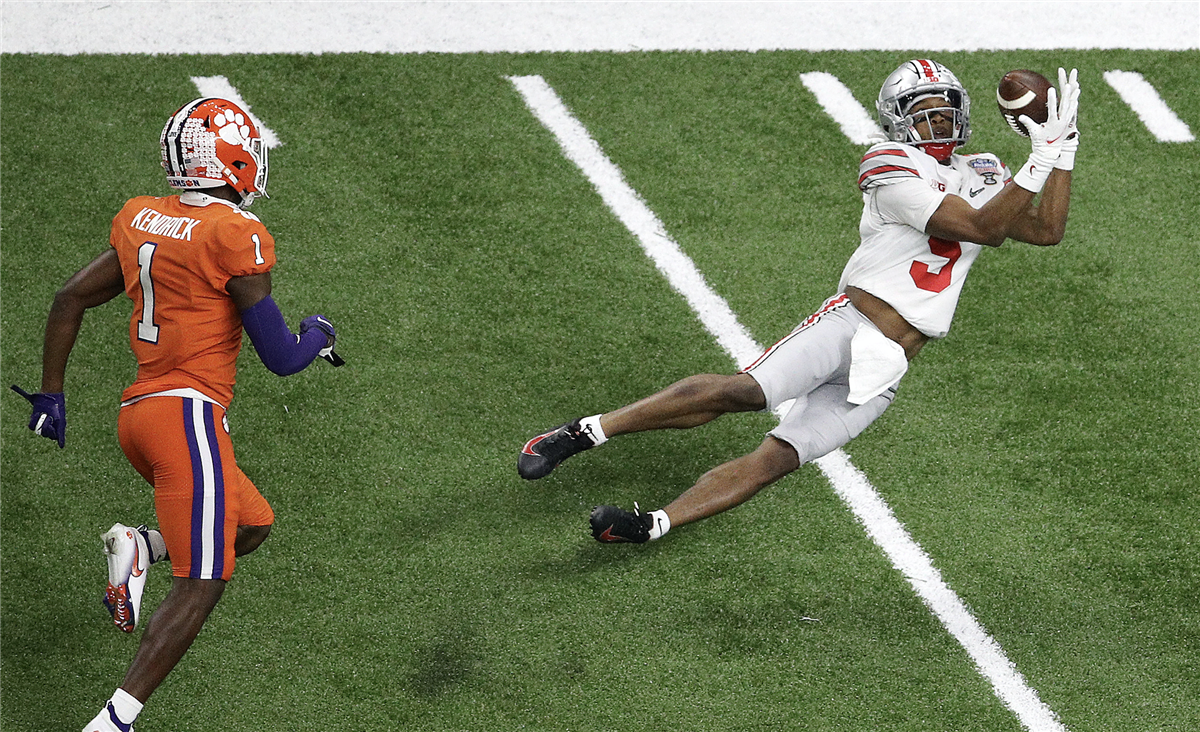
<point>679,270</point>
<point>839,102</point>
<point>1144,100</point>
<point>849,483</point>
<point>907,556</point>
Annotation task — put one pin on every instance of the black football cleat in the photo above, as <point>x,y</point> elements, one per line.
<point>612,525</point>
<point>543,453</point>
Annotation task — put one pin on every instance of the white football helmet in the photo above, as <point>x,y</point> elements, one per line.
<point>912,82</point>
<point>212,142</point>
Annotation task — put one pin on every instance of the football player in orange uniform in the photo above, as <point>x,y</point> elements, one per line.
<point>197,267</point>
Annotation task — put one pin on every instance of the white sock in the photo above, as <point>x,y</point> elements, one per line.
<point>126,707</point>
<point>158,545</point>
<point>590,426</point>
<point>660,524</point>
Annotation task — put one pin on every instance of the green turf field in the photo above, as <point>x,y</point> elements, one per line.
<point>1045,454</point>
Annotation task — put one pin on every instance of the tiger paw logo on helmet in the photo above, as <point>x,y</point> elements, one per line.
<point>212,142</point>
<point>232,127</point>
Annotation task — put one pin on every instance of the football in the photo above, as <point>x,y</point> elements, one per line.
<point>1023,92</point>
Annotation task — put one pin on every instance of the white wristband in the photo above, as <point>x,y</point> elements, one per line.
<point>1066,161</point>
<point>1033,175</point>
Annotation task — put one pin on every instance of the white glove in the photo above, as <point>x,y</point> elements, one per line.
<point>1048,138</point>
<point>1066,160</point>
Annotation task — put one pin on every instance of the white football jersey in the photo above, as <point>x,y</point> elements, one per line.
<point>919,275</point>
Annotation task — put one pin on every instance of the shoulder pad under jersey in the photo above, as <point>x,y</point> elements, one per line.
<point>886,163</point>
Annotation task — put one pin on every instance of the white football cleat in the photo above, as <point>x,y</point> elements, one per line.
<point>128,559</point>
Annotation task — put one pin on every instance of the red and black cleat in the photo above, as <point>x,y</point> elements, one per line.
<point>543,453</point>
<point>612,525</point>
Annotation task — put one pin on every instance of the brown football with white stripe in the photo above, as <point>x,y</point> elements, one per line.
<point>1023,92</point>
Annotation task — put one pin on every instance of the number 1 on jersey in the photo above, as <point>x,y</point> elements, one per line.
<point>258,257</point>
<point>147,330</point>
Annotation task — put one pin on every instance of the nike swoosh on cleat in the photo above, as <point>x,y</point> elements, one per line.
<point>528,449</point>
<point>608,535</point>
<point>137,570</point>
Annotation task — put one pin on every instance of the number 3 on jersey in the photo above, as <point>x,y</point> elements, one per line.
<point>147,330</point>
<point>926,280</point>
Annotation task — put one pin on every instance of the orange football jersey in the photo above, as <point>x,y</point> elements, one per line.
<point>177,258</point>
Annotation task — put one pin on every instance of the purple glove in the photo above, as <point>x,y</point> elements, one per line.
<point>49,418</point>
<point>321,323</point>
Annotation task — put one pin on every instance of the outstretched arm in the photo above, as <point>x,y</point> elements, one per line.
<point>1046,223</point>
<point>957,220</point>
<point>1012,213</point>
<point>95,284</point>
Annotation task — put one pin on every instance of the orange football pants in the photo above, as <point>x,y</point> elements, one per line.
<point>181,446</point>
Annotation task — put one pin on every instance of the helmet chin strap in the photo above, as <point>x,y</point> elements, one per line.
<point>940,151</point>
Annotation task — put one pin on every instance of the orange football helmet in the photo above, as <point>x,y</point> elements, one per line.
<point>213,142</point>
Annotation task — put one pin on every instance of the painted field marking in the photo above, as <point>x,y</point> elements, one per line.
<point>849,482</point>
<point>1145,101</point>
<point>679,270</point>
<point>219,86</point>
<point>839,103</point>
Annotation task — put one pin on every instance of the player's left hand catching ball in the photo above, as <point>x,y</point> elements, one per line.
<point>49,418</point>
<point>1069,83</point>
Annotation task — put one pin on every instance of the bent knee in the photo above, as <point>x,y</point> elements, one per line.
<point>746,392</point>
<point>725,393</point>
<point>250,537</point>
<point>776,458</point>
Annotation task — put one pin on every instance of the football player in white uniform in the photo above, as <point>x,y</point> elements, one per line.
<point>927,213</point>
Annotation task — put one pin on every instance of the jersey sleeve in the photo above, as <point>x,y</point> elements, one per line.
<point>116,227</point>
<point>911,201</point>
<point>121,220</point>
<point>243,247</point>
<point>885,164</point>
